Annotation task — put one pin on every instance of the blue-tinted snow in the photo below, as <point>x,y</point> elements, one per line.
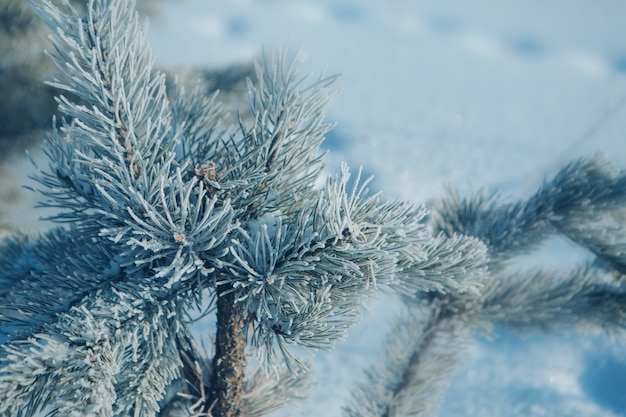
<point>479,94</point>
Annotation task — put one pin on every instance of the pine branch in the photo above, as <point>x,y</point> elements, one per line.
<point>88,312</point>
<point>456,264</point>
<point>583,202</point>
<point>513,228</point>
<point>424,346</point>
<point>280,152</point>
<point>140,247</point>
<point>421,350</point>
<point>305,279</point>
<point>583,299</point>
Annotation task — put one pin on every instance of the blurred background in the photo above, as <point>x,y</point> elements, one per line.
<point>434,94</point>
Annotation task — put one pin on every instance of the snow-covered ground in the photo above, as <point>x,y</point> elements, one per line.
<point>469,94</point>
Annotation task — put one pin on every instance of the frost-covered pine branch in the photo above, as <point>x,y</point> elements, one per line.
<point>422,348</point>
<point>584,189</point>
<point>583,202</point>
<point>26,104</point>
<point>164,207</point>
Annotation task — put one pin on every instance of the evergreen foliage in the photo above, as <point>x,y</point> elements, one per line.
<point>165,210</point>
<point>26,103</point>
<point>584,202</point>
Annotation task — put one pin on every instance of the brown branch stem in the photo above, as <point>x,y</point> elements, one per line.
<point>227,380</point>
